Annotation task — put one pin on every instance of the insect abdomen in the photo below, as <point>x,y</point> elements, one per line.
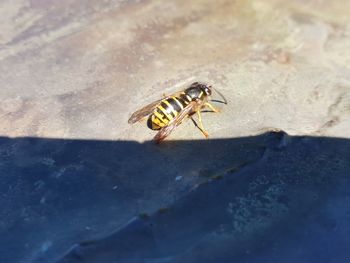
<point>166,111</point>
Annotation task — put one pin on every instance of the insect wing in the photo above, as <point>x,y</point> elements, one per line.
<point>165,131</point>
<point>143,112</point>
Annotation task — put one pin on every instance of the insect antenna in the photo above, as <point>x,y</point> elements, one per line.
<point>222,96</point>
<point>219,101</point>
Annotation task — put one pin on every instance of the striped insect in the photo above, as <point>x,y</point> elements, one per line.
<point>166,114</point>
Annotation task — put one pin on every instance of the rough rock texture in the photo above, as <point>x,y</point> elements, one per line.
<point>72,168</point>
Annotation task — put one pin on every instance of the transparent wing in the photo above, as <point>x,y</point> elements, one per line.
<point>143,112</point>
<point>165,131</point>
<point>148,109</point>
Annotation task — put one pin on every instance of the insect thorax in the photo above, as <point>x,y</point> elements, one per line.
<point>196,91</point>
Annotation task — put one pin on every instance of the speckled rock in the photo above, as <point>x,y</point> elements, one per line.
<point>72,168</point>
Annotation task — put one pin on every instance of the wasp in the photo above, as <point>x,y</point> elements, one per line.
<point>166,114</point>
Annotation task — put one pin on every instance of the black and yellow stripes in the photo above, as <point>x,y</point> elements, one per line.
<point>167,110</point>
<point>176,104</point>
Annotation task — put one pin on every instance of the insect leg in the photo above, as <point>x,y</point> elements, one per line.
<point>211,107</point>
<point>201,128</point>
<point>195,124</point>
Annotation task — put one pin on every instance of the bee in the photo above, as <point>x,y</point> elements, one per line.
<point>166,114</point>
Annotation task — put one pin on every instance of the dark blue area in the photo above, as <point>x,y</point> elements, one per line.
<point>267,198</point>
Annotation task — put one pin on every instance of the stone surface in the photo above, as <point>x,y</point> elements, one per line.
<point>72,168</point>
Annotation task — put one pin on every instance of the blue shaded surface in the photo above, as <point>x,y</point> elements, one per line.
<point>257,199</point>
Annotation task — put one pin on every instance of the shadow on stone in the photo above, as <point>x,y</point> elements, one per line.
<point>254,199</point>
